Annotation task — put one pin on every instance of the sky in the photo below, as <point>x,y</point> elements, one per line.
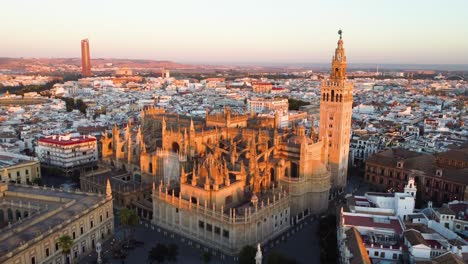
<point>239,31</point>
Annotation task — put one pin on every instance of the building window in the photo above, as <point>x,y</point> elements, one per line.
<point>201,224</point>
<point>100,218</point>
<point>56,246</point>
<point>33,260</point>
<point>209,227</point>
<point>81,230</point>
<point>376,254</point>
<point>47,252</point>
<point>27,172</point>
<point>217,230</point>
<point>91,224</point>
<point>395,256</point>
<point>457,226</point>
<point>74,235</point>
<point>17,174</point>
<point>225,233</point>
<point>446,225</point>
<point>382,254</point>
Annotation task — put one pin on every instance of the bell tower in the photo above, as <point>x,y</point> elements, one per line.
<point>335,116</point>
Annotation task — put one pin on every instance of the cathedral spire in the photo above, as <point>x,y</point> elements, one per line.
<point>192,127</point>
<point>108,189</point>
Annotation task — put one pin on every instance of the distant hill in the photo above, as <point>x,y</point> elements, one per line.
<point>23,63</point>
<point>66,64</point>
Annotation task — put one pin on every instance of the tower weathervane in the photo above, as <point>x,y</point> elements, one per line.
<point>340,32</point>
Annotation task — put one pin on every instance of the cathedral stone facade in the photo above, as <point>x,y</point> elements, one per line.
<point>228,181</point>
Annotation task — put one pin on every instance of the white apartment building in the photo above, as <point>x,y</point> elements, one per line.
<point>67,152</point>
<point>261,105</point>
<point>362,147</point>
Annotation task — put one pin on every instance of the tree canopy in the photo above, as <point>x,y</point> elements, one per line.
<point>278,258</point>
<point>70,104</point>
<point>206,257</point>
<point>247,255</point>
<point>128,218</point>
<point>65,243</point>
<point>158,254</point>
<point>294,104</point>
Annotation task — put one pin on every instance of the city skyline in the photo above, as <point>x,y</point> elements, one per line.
<point>240,32</point>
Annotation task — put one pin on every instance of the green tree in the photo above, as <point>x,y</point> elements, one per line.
<point>247,255</point>
<point>80,105</point>
<point>128,219</point>
<point>328,242</point>
<point>419,201</point>
<point>278,258</point>
<point>158,253</point>
<point>65,243</point>
<point>172,252</point>
<point>37,181</point>
<point>69,103</point>
<point>206,257</point>
<point>294,104</point>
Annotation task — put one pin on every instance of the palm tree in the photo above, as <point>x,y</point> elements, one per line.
<point>128,218</point>
<point>65,243</point>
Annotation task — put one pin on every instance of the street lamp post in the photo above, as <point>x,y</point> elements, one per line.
<point>98,250</point>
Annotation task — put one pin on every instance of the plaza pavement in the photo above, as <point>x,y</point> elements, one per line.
<point>300,242</point>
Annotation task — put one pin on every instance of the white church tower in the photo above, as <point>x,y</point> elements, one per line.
<point>410,187</point>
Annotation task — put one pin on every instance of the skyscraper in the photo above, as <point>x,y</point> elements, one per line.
<point>335,116</point>
<point>85,59</point>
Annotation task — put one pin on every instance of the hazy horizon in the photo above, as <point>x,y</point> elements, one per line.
<point>351,65</point>
<point>215,32</point>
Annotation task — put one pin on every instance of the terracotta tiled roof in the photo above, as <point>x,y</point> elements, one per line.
<point>460,207</point>
<point>354,220</point>
<point>455,154</point>
<point>448,258</point>
<point>356,247</point>
<point>412,160</point>
<point>415,237</point>
<point>445,210</point>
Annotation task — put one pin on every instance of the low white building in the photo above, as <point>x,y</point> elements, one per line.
<point>383,228</point>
